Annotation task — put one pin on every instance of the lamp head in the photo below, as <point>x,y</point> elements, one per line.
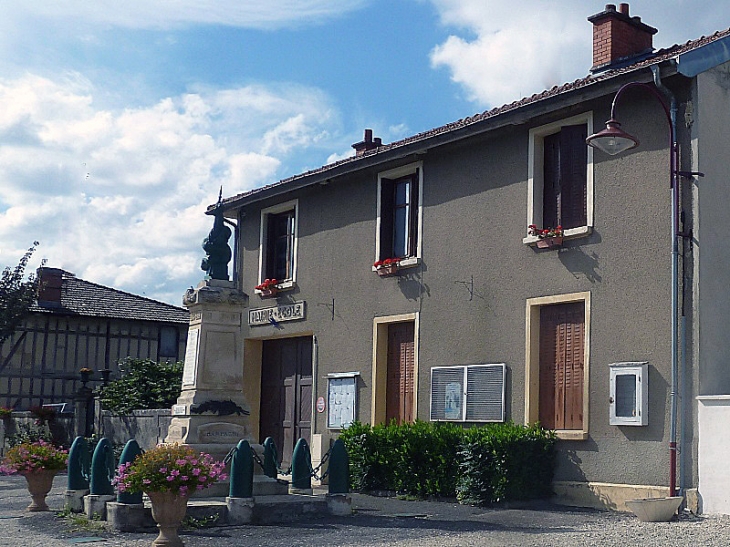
<point>612,140</point>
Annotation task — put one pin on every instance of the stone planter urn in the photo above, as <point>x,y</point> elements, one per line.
<point>655,509</point>
<point>168,510</point>
<point>39,484</point>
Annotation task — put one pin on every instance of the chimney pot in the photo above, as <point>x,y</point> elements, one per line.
<point>368,143</point>
<point>618,38</point>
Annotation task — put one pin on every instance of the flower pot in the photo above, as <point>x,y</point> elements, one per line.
<point>168,510</point>
<point>387,270</point>
<point>548,242</point>
<point>40,483</point>
<point>269,292</point>
<point>655,509</point>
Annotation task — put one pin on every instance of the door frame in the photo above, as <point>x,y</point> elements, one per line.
<point>380,363</point>
<point>532,360</point>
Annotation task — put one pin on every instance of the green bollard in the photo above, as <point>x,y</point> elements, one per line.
<point>78,465</point>
<point>301,466</point>
<point>241,472</point>
<point>339,469</point>
<point>102,469</point>
<point>270,458</point>
<point>130,452</point>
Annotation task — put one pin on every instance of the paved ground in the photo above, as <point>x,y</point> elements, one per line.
<point>376,522</point>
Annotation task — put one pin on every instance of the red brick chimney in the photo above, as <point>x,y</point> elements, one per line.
<point>368,143</point>
<point>618,37</point>
<point>50,281</point>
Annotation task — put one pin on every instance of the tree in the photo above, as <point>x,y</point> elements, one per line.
<point>144,384</point>
<point>16,295</point>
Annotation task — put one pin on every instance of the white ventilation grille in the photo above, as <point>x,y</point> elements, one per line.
<point>471,393</point>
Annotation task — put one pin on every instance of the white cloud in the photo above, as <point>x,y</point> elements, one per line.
<point>504,51</point>
<point>118,197</point>
<point>266,14</point>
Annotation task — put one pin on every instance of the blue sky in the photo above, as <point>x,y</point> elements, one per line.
<point>120,121</point>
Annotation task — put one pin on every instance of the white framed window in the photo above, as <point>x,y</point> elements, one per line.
<point>399,223</point>
<point>468,393</point>
<point>560,177</point>
<point>629,398</point>
<point>278,244</point>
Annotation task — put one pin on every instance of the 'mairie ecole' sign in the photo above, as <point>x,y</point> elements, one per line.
<point>285,312</point>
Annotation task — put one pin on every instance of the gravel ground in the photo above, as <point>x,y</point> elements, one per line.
<point>377,522</point>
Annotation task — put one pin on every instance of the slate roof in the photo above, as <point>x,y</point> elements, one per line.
<point>83,298</point>
<point>582,83</point>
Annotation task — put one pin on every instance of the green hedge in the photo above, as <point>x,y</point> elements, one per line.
<point>478,465</point>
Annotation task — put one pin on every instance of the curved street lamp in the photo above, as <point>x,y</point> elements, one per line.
<point>613,140</point>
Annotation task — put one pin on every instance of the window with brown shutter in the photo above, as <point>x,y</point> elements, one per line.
<point>565,184</point>
<point>561,365</point>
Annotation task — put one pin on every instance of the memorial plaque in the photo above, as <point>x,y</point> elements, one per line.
<point>191,357</point>
<point>221,433</point>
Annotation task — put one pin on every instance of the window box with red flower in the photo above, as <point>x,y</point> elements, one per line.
<point>269,287</point>
<point>387,266</point>
<point>546,237</point>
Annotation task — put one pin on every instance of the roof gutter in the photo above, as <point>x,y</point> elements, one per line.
<point>704,58</point>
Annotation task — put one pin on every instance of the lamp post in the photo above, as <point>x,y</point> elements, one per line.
<point>613,140</point>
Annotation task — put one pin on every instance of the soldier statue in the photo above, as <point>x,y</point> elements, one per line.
<point>215,264</point>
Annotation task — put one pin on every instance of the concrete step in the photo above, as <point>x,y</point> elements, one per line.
<point>262,486</point>
<point>266,509</point>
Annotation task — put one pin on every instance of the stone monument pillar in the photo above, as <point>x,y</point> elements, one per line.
<point>211,414</point>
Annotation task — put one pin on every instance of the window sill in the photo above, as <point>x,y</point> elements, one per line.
<point>573,233</point>
<point>406,263</point>
<point>280,287</point>
<point>571,435</point>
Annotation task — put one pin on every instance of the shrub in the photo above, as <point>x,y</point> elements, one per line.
<point>479,465</point>
<point>144,384</point>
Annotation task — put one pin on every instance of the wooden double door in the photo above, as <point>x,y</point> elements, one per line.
<point>286,393</point>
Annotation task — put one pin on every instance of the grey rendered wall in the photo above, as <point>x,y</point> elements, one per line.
<point>474,219</point>
<point>711,127</point>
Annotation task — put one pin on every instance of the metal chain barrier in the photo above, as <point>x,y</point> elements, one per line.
<point>257,459</point>
<point>230,455</point>
<point>314,472</point>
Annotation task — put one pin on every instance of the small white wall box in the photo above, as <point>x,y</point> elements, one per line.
<point>468,393</point>
<point>629,394</point>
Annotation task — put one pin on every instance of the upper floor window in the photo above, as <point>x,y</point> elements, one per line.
<point>278,246</point>
<point>399,214</point>
<point>560,177</point>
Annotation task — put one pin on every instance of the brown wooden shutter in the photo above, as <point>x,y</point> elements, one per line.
<point>400,391</point>
<point>413,243</point>
<point>562,342</point>
<point>386,218</point>
<point>573,161</point>
<point>551,181</point>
